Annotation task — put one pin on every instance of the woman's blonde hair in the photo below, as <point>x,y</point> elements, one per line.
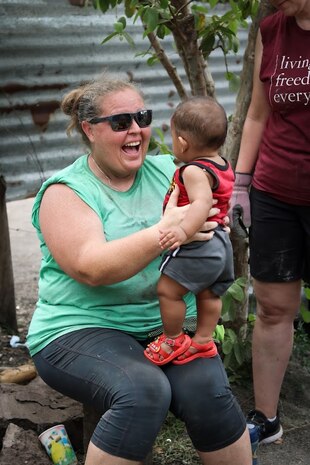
<point>85,102</point>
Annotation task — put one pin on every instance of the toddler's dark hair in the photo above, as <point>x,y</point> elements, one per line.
<point>202,120</point>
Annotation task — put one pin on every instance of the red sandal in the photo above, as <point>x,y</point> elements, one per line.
<point>207,350</point>
<point>156,354</point>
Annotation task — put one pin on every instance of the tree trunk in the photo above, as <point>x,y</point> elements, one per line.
<point>185,36</point>
<point>7,296</point>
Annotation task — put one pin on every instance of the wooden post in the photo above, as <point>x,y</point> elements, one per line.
<point>90,420</point>
<point>7,295</point>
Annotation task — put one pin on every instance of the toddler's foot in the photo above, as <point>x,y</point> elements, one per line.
<point>164,349</point>
<point>196,350</point>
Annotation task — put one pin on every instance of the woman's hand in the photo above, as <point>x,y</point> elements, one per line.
<point>207,231</point>
<point>174,215</point>
<point>173,238</point>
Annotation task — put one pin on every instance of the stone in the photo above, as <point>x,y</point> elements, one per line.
<point>27,410</point>
<point>22,447</point>
<point>36,407</point>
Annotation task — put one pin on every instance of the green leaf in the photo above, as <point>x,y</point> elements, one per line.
<point>109,37</point>
<point>159,145</point>
<point>129,39</point>
<point>305,313</point>
<point>251,318</point>
<point>96,4</point>
<point>103,5</point>
<point>152,60</point>
<point>118,27</point>
<point>122,20</point>
<point>307,292</point>
<point>234,44</point>
<point>213,3</point>
<point>226,302</point>
<point>152,144</point>
<point>227,347</point>
<point>199,9</point>
<point>164,4</point>
<point>219,333</point>
<point>234,81</point>
<point>200,22</point>
<point>129,9</point>
<point>239,354</point>
<point>242,281</point>
<point>231,335</point>
<point>236,291</point>
<point>245,7</point>
<point>160,134</point>
<point>207,44</point>
<point>161,31</point>
<point>150,19</point>
<point>227,359</point>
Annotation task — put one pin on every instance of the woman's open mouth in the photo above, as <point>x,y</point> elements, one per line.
<point>131,148</point>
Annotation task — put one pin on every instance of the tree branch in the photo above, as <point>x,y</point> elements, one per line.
<point>168,66</point>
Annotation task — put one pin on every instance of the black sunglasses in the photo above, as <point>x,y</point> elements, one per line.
<point>123,121</point>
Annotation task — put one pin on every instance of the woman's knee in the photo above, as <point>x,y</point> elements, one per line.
<point>213,417</point>
<point>277,302</point>
<point>130,426</point>
<point>139,390</point>
<point>152,390</point>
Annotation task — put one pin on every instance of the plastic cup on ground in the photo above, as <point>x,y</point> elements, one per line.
<point>253,430</point>
<point>58,446</point>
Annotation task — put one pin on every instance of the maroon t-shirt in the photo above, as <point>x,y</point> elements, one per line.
<point>283,165</point>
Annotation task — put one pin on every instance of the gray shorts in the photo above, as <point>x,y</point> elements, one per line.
<point>202,265</point>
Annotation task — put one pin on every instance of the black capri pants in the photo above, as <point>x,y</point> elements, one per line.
<point>107,369</point>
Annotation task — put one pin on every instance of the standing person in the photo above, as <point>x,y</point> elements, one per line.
<point>98,221</point>
<point>198,128</point>
<point>275,150</point>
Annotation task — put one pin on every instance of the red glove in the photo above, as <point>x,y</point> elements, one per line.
<point>239,212</point>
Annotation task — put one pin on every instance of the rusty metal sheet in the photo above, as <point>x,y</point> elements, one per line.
<point>47,48</point>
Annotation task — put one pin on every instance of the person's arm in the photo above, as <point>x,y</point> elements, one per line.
<point>256,118</point>
<point>252,133</point>
<point>75,237</point>
<point>199,192</point>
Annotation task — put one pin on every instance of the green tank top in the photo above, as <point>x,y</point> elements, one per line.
<point>65,305</point>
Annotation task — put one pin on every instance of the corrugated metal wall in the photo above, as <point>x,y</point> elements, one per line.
<point>50,46</point>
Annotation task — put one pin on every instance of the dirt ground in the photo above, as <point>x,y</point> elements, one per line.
<point>295,396</point>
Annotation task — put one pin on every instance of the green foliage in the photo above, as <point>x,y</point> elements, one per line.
<point>234,81</point>
<point>233,295</point>
<point>159,144</point>
<point>219,32</point>
<point>219,333</point>
<point>120,32</point>
<point>301,346</point>
<point>162,16</point>
<point>173,445</point>
<point>236,347</point>
<point>304,310</point>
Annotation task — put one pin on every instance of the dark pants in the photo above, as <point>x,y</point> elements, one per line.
<point>108,370</point>
<point>279,239</point>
